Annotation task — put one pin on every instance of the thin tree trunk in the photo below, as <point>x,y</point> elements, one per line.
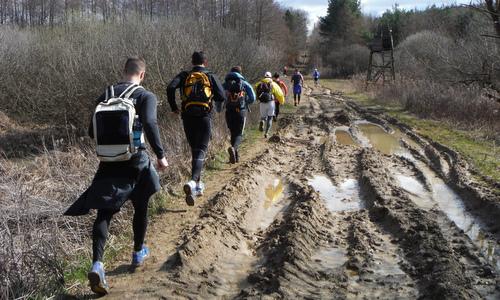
<point>494,10</point>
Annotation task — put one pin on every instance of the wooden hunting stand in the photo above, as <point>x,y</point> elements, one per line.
<point>381,58</point>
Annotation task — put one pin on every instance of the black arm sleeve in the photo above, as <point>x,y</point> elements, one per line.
<point>91,125</point>
<point>172,86</point>
<point>148,117</point>
<point>218,89</point>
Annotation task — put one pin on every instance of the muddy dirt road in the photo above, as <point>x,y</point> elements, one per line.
<point>342,202</point>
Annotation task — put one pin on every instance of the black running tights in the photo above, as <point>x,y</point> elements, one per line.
<point>197,129</point>
<point>101,228</point>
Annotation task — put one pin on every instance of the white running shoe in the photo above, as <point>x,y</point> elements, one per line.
<point>200,188</point>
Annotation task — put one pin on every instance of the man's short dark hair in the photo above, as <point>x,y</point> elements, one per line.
<point>198,58</point>
<point>236,69</point>
<point>135,65</point>
<point>276,75</point>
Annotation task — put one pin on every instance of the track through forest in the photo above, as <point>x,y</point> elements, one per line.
<point>342,202</point>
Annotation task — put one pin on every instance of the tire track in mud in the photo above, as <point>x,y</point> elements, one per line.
<point>326,213</point>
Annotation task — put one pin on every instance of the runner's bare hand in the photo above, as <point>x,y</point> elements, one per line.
<point>162,164</point>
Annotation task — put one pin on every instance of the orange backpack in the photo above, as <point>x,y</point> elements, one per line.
<point>197,90</point>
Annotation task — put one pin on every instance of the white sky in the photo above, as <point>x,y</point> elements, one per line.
<point>317,8</point>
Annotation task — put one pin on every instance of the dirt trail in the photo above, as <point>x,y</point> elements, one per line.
<point>342,202</point>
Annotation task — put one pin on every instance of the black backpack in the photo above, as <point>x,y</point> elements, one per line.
<point>235,94</point>
<point>264,92</point>
<point>296,79</point>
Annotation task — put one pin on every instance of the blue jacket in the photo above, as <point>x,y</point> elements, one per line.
<point>316,74</point>
<point>250,93</point>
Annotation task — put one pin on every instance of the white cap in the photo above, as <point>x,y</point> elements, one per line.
<point>268,75</point>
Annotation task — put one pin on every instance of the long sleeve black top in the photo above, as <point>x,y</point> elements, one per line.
<point>146,108</point>
<point>219,94</point>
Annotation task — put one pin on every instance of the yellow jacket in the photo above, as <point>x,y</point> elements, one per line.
<point>277,92</point>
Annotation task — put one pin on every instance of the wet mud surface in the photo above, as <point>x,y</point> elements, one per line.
<point>341,203</point>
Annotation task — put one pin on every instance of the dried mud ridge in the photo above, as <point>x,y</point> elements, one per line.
<point>344,203</point>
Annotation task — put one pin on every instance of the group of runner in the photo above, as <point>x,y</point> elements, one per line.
<point>126,112</point>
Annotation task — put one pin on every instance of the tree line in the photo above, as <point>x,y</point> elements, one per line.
<point>447,58</point>
<point>260,19</point>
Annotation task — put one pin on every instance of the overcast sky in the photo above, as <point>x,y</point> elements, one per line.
<point>317,8</point>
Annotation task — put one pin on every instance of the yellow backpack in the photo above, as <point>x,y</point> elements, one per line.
<point>197,90</point>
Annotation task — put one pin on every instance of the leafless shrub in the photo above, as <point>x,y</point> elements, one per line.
<point>64,69</point>
<point>348,60</point>
<point>466,106</point>
<point>449,78</point>
<point>35,239</point>
<point>52,78</point>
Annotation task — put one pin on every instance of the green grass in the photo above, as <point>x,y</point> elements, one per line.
<point>288,108</point>
<point>77,270</point>
<point>158,203</point>
<point>218,161</point>
<point>482,154</point>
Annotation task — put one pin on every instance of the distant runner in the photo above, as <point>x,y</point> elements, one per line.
<point>284,89</point>
<point>298,81</point>
<point>199,88</point>
<point>267,92</point>
<point>240,95</point>
<point>316,77</point>
<point>285,71</point>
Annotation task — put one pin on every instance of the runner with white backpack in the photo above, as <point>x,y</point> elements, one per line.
<point>124,113</point>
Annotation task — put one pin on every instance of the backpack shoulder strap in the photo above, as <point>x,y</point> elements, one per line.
<point>132,90</point>
<point>125,92</point>
<point>110,93</point>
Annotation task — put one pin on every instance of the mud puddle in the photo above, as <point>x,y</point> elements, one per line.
<point>453,206</point>
<point>344,137</point>
<point>381,140</point>
<point>274,201</point>
<point>346,196</point>
<point>330,259</point>
<point>232,272</point>
<point>416,191</point>
<point>442,197</point>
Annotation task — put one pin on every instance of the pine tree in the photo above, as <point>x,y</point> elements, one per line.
<point>342,20</point>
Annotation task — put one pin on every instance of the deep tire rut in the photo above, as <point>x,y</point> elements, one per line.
<point>311,217</point>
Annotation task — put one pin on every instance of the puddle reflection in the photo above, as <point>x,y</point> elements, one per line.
<point>453,206</point>
<point>273,201</point>
<point>273,192</point>
<point>416,191</point>
<point>346,196</point>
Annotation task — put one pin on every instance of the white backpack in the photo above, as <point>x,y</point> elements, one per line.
<point>113,122</point>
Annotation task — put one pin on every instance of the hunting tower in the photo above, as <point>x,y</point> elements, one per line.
<point>381,57</point>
